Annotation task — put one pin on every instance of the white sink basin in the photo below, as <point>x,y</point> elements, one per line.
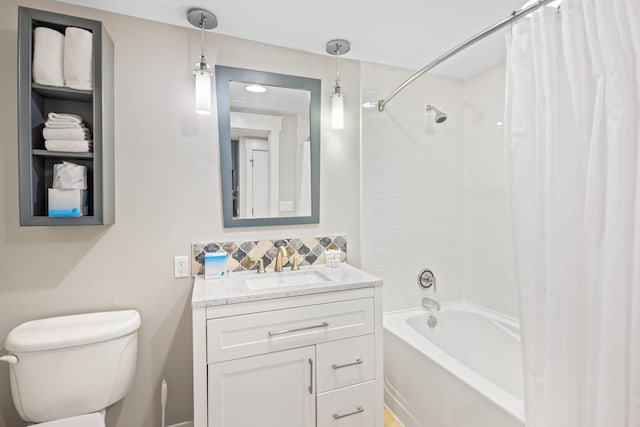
<point>286,279</point>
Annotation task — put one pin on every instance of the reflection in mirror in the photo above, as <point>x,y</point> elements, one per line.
<point>269,126</point>
<point>271,161</point>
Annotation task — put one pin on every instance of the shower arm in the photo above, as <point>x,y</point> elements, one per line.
<point>517,14</point>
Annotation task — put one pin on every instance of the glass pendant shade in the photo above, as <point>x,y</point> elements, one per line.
<point>337,110</point>
<point>203,92</point>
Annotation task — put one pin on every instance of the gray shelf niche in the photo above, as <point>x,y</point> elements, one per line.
<point>95,106</point>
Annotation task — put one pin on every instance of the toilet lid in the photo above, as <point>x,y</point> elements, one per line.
<point>55,333</point>
<point>89,420</point>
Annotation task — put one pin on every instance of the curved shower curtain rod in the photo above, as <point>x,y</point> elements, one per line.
<point>506,21</point>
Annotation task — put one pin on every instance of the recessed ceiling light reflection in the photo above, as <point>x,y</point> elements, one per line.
<point>256,88</point>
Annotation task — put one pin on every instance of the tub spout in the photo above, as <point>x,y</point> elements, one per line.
<point>430,304</point>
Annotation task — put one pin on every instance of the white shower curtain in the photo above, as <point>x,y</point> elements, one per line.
<point>572,124</point>
<point>304,178</point>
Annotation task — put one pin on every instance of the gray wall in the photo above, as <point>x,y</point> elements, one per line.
<point>167,196</point>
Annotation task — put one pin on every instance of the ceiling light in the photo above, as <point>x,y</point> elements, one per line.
<point>256,89</point>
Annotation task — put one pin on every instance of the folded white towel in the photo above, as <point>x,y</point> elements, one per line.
<point>63,125</point>
<point>48,46</point>
<point>78,61</point>
<point>64,118</point>
<point>68,145</point>
<point>70,134</point>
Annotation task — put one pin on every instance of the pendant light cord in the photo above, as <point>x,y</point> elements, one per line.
<point>337,48</point>
<point>338,86</point>
<point>203,20</point>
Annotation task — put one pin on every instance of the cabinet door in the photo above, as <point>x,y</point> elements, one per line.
<point>270,390</point>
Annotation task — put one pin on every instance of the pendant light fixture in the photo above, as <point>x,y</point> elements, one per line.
<point>337,47</point>
<point>204,20</point>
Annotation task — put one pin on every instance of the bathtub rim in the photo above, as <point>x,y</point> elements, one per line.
<point>395,322</point>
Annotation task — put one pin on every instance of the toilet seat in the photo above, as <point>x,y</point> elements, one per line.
<point>89,420</point>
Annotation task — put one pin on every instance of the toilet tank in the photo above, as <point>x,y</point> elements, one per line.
<point>72,365</point>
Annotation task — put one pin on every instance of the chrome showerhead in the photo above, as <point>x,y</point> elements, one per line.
<point>440,116</point>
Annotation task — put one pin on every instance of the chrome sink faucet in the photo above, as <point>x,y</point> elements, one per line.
<point>281,258</point>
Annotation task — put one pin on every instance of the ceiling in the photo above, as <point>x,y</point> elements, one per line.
<point>403,33</point>
<point>275,99</point>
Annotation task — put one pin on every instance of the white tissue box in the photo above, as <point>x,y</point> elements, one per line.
<point>68,202</point>
<point>215,265</point>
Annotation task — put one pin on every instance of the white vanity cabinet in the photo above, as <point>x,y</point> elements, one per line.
<point>311,357</point>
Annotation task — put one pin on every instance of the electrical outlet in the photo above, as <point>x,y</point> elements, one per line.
<point>180,266</point>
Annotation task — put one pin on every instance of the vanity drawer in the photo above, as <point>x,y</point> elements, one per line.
<point>345,362</point>
<point>250,334</point>
<point>352,406</point>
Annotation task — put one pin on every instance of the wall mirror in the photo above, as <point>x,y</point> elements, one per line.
<point>269,131</point>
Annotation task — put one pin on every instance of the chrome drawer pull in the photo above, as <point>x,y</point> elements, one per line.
<point>357,362</point>
<point>304,328</point>
<point>357,411</point>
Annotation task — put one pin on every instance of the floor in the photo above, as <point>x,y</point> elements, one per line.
<point>390,420</point>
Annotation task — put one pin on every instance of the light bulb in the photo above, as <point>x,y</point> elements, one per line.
<point>203,92</point>
<point>337,110</point>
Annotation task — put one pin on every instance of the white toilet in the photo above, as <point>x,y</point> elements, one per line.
<point>66,370</point>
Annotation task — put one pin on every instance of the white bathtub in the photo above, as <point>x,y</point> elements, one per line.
<point>465,372</point>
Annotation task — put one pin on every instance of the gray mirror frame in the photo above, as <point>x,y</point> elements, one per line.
<point>224,75</point>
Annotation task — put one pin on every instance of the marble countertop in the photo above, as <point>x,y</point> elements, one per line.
<point>236,287</point>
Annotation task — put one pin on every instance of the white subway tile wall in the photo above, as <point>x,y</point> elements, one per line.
<point>489,265</point>
<point>412,182</point>
<point>435,195</point>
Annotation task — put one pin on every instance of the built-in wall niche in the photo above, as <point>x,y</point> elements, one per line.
<point>94,106</point>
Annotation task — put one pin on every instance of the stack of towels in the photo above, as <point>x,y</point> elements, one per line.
<point>63,59</point>
<point>66,132</point>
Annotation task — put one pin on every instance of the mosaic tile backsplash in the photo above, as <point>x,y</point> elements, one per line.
<point>244,254</point>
